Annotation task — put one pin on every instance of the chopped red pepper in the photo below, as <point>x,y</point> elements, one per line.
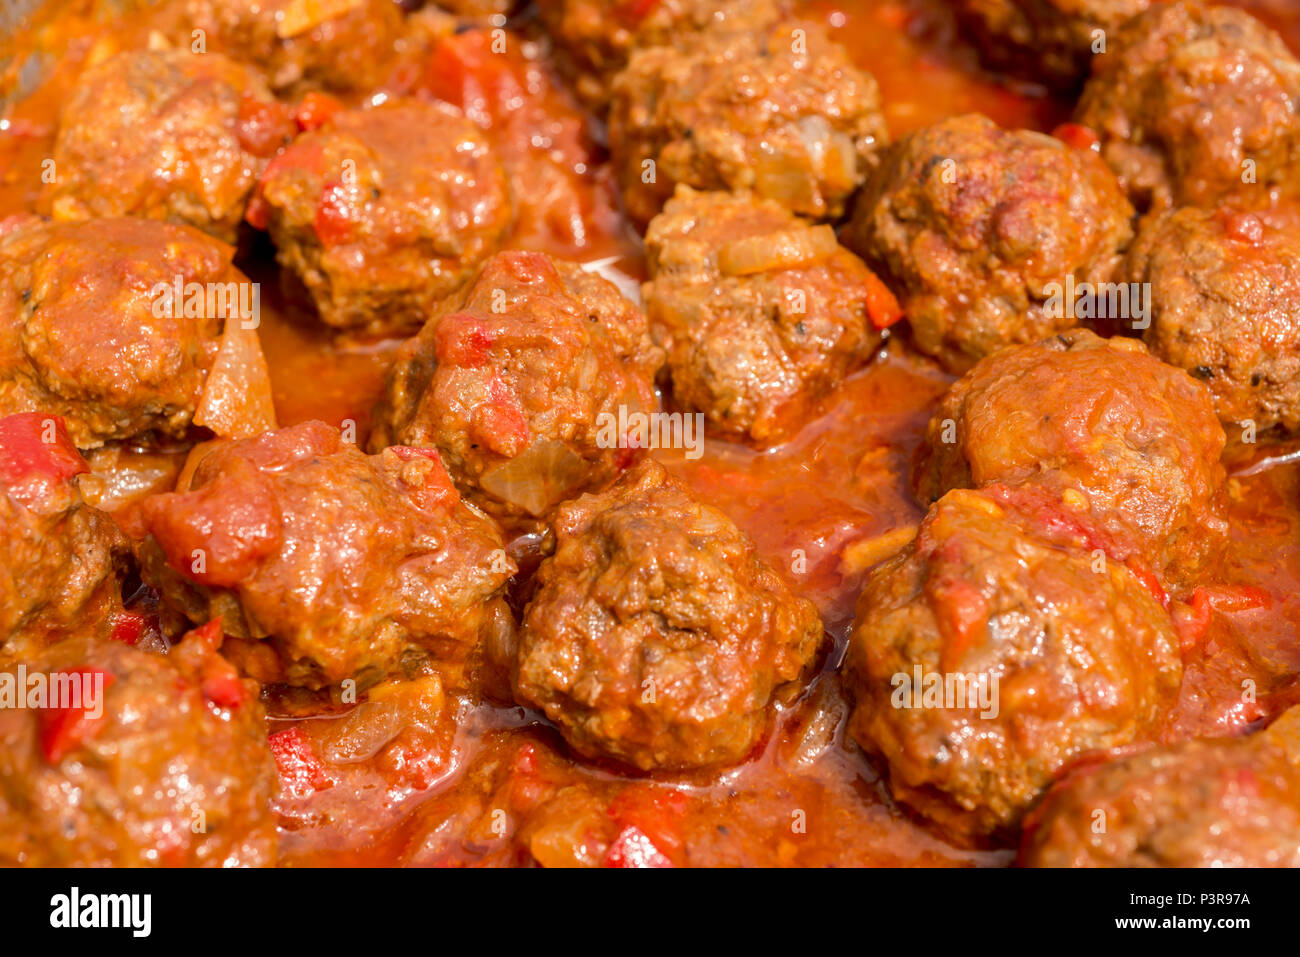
<point>301,772</point>
<point>1143,573</point>
<point>882,307</point>
<point>655,817</point>
<point>1230,598</point>
<point>263,126</point>
<point>35,452</point>
<point>64,729</point>
<point>466,71</point>
<point>333,222</point>
<point>1192,620</point>
<point>1078,136</point>
<point>461,339</point>
<point>128,627</point>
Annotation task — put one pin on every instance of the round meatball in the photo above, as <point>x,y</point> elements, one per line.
<point>165,134</point>
<point>987,656</point>
<point>348,46</point>
<point>348,565</point>
<point>1225,306</point>
<point>1111,440</point>
<point>655,637</point>
<point>115,325</point>
<point>980,229</point>
<point>762,315</point>
<point>1220,803</point>
<point>384,211</point>
<point>135,760</point>
<point>782,112</point>
<point>1050,41</point>
<point>534,384</point>
<point>62,560</point>
<point>596,37</point>
<point>1194,103</point>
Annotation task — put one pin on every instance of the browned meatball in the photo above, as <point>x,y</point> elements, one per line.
<point>156,761</point>
<point>91,327</point>
<point>596,37</point>
<point>656,637</point>
<point>61,559</point>
<point>351,566</point>
<point>523,383</point>
<point>980,229</point>
<point>1225,298</point>
<point>384,211</point>
<point>1051,41</point>
<point>345,46</point>
<point>1224,803</point>
<point>1057,656</point>
<point>762,314</point>
<point>168,135</point>
<point>1194,103</point>
<point>782,112</point>
<point>1113,442</point>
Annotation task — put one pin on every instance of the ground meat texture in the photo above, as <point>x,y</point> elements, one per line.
<point>348,565</point>
<point>1050,41</point>
<point>62,560</point>
<point>1220,803</point>
<point>761,314</point>
<point>529,383</point>
<point>1194,103</point>
<point>173,771</point>
<point>85,333</point>
<point>656,638</point>
<point>385,211</point>
<point>977,226</point>
<point>344,45</point>
<point>165,135</point>
<point>1083,655</point>
<point>1105,439</point>
<point>595,37</point>
<point>781,112</point>
<point>1225,299</point>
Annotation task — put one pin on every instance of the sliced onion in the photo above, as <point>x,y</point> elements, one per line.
<point>537,478</point>
<point>303,15</point>
<point>236,401</point>
<point>605,268</point>
<point>790,249</point>
<point>363,732</point>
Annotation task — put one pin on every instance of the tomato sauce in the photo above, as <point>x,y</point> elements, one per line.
<point>823,508</point>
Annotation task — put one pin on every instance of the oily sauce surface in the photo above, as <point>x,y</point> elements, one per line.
<point>823,508</point>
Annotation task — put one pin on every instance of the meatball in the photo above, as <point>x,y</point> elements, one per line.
<point>532,384</point>
<point>782,112</point>
<point>350,566</point>
<point>347,47</point>
<point>762,315</point>
<point>62,559</point>
<point>1050,41</point>
<point>596,37</point>
<point>92,328</point>
<point>980,228</point>
<point>1220,803</point>
<point>384,211</point>
<point>986,656</point>
<point>135,760</point>
<point>1195,103</point>
<point>1225,297</point>
<point>656,637</point>
<point>1106,438</point>
<point>165,134</point>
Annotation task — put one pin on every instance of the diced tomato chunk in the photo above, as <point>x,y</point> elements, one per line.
<point>633,12</point>
<point>438,492</point>
<point>962,610</point>
<point>466,71</point>
<point>1143,573</point>
<point>315,110</point>
<point>655,813</point>
<point>128,627</point>
<point>333,222</point>
<point>461,339</point>
<point>633,848</point>
<point>301,772</point>
<point>65,728</point>
<point>263,126</point>
<point>1192,620</point>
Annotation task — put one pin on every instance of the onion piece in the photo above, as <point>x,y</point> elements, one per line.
<point>536,478</point>
<point>303,15</point>
<point>236,401</point>
<point>784,250</point>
